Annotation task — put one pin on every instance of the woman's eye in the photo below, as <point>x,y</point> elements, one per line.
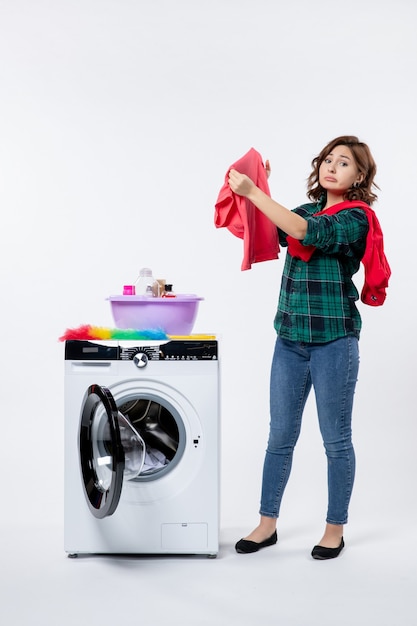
<point>343,163</point>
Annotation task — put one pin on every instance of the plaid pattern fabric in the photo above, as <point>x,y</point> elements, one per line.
<point>317,298</point>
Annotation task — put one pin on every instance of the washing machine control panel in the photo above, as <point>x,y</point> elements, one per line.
<point>179,350</point>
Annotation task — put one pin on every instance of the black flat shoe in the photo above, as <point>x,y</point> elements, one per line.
<point>321,553</point>
<point>246,547</point>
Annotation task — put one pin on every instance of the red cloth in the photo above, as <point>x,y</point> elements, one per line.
<point>377,269</point>
<point>243,219</point>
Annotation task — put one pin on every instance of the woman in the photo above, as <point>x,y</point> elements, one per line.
<point>318,327</point>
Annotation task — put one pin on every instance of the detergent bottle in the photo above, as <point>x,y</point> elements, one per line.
<point>146,285</point>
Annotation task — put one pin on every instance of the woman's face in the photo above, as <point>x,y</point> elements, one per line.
<point>338,171</point>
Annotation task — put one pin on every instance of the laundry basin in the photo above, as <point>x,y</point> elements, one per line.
<point>174,316</point>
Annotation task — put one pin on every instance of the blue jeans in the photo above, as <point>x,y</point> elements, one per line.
<point>332,370</point>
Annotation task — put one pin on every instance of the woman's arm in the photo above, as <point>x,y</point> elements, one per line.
<point>293,224</point>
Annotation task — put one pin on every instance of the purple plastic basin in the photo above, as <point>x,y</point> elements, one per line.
<point>175,316</point>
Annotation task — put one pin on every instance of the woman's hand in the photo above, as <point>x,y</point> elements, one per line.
<point>240,184</point>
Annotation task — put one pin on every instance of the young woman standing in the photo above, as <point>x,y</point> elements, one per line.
<point>318,326</point>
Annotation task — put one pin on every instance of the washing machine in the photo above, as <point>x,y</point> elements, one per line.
<point>142,447</point>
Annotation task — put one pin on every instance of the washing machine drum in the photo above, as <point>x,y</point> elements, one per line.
<point>111,450</point>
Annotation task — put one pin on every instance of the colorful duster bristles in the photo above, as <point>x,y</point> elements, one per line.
<point>87,332</point>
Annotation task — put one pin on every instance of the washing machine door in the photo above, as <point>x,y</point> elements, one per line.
<point>102,456</point>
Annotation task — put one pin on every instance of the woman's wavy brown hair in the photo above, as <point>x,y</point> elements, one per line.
<point>364,162</point>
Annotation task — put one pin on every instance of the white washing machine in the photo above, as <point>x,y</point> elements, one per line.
<point>142,447</point>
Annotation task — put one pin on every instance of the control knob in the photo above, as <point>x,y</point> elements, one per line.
<point>140,359</point>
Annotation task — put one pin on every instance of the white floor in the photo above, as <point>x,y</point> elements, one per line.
<point>373,582</point>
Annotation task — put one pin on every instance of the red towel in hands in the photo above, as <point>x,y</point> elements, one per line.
<point>243,219</point>
<point>377,269</point>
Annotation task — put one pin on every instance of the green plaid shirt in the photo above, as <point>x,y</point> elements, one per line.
<point>317,298</point>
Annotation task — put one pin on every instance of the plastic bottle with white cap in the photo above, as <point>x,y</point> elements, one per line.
<point>146,285</point>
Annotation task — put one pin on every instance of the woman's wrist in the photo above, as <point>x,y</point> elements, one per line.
<point>256,195</point>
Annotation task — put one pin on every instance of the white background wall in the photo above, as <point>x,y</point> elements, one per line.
<point>118,121</point>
